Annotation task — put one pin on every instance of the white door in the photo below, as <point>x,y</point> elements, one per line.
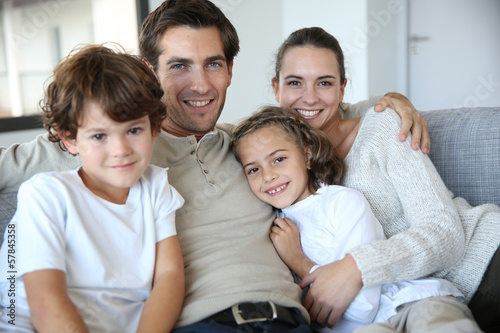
<point>454,56</point>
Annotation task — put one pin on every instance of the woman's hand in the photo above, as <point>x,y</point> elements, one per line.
<point>410,118</point>
<point>334,287</point>
<point>286,240</point>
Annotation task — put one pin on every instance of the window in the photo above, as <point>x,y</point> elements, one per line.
<point>36,34</point>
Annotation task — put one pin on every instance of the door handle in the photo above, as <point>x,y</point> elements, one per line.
<point>416,38</point>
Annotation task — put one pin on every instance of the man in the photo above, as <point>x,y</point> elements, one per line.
<point>223,229</point>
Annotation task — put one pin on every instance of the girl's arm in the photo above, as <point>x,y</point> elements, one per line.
<point>50,307</point>
<point>164,304</point>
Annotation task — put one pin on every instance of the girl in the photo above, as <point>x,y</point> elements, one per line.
<point>294,168</point>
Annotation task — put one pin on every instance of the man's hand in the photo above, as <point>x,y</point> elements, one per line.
<point>334,287</point>
<point>410,118</point>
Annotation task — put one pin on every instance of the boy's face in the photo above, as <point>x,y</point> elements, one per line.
<point>276,168</point>
<point>114,154</point>
<point>194,74</point>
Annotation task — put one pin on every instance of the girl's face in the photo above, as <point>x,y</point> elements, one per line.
<point>309,83</point>
<point>114,154</point>
<point>276,167</point>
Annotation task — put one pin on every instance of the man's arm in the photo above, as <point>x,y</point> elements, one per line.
<point>410,117</point>
<point>21,161</point>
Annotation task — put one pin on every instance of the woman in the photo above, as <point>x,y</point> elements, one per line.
<point>429,233</point>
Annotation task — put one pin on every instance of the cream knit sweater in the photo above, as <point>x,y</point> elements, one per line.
<point>429,232</point>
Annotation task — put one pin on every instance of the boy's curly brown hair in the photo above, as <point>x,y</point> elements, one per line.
<point>123,86</point>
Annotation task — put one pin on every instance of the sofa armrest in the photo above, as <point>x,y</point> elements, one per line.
<point>465,148</point>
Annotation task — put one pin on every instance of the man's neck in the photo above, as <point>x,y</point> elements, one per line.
<point>181,132</point>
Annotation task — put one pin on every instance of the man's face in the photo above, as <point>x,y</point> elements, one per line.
<point>194,75</point>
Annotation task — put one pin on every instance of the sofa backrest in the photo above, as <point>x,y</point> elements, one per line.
<point>465,148</point>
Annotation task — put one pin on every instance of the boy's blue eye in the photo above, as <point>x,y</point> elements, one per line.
<point>99,137</point>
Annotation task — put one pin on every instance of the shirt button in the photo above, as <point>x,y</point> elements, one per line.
<point>191,142</point>
<point>192,153</point>
<point>211,182</point>
<point>205,171</point>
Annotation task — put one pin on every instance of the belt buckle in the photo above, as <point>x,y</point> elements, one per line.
<point>240,320</point>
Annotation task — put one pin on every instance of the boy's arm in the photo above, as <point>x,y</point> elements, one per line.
<point>50,306</point>
<point>410,117</point>
<point>164,304</point>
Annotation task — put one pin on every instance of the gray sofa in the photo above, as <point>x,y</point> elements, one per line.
<point>465,148</point>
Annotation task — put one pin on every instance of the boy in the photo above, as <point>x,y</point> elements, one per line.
<point>96,247</point>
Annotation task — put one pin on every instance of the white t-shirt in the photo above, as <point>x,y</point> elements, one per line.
<point>106,250</point>
<point>337,219</point>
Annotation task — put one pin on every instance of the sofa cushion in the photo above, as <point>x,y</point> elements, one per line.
<point>465,148</point>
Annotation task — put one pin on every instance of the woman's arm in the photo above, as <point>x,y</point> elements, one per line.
<point>164,304</point>
<point>51,309</point>
<point>410,117</point>
<point>425,234</point>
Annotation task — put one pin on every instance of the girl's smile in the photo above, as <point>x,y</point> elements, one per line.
<point>276,167</point>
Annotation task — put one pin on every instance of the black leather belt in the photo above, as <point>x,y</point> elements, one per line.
<point>250,312</point>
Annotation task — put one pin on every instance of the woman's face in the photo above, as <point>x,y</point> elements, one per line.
<point>309,83</point>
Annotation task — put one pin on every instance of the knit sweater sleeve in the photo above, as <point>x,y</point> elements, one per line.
<point>411,202</point>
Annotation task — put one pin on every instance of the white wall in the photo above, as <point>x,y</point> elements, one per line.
<point>116,21</point>
<point>259,24</point>
<point>387,43</point>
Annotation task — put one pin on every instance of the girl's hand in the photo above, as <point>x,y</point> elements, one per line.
<point>286,239</point>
